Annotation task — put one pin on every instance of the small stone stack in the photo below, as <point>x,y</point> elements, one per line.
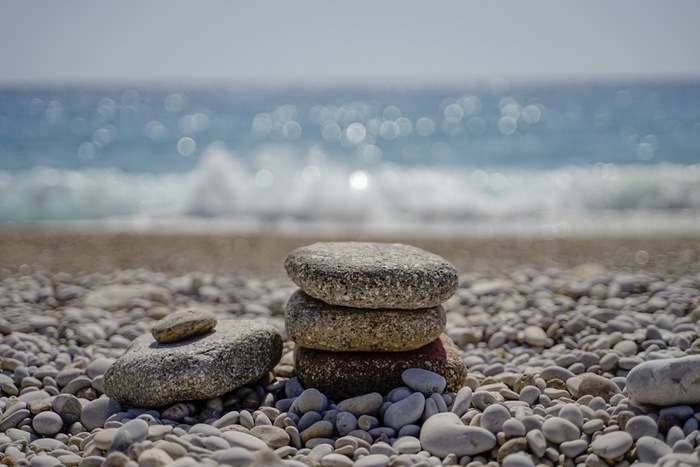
<point>365,313</point>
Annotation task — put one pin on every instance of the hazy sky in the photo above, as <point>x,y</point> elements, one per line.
<point>331,41</point>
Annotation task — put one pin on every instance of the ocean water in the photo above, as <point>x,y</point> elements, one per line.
<point>486,158</point>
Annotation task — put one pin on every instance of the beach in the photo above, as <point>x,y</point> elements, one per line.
<point>262,254</point>
<point>536,320</point>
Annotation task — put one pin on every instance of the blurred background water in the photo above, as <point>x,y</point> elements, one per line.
<point>551,155</point>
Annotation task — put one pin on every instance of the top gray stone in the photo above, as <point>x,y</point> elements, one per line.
<point>372,275</point>
<point>183,325</point>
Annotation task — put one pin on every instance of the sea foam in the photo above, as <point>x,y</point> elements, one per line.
<point>223,189</point>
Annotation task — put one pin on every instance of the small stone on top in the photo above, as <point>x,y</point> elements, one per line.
<point>183,325</point>
<point>372,275</point>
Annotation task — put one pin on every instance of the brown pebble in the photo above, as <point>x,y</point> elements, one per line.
<point>183,325</point>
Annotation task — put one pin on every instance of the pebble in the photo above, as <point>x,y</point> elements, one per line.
<point>557,430</point>
<point>424,381</point>
<point>651,449</point>
<point>54,356</point>
<point>665,382</point>
<point>152,374</point>
<point>444,434</point>
<point>372,275</point>
<point>612,446</point>
<point>47,423</point>
<point>314,324</point>
<point>404,412</point>
<point>95,413</point>
<point>365,404</point>
<point>183,325</point>
<point>493,417</point>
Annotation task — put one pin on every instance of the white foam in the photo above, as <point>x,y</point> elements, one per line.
<point>225,190</point>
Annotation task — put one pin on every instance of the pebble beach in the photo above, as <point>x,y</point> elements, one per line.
<point>578,351</point>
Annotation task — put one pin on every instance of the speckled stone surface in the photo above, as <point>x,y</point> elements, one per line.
<point>341,375</point>
<point>372,275</point>
<point>183,324</point>
<point>151,374</point>
<point>317,325</point>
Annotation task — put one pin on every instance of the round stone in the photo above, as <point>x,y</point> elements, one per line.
<point>444,434</point>
<point>68,407</point>
<point>151,374</point>
<point>183,324</point>
<point>665,382</point>
<point>47,423</point>
<point>557,430</point>
<point>341,375</point>
<point>372,275</point>
<point>640,426</point>
<point>613,445</point>
<point>314,324</point>
<point>95,413</point>
<point>493,417</point>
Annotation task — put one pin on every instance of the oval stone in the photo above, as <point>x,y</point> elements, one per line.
<point>314,324</point>
<point>444,434</point>
<point>665,382</point>
<point>183,324</point>
<point>151,374</point>
<point>372,275</point>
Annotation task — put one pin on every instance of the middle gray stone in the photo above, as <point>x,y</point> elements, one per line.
<point>314,324</point>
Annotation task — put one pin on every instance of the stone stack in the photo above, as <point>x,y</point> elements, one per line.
<point>365,313</point>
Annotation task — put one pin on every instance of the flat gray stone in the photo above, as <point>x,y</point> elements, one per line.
<point>314,324</point>
<point>183,324</point>
<point>665,382</point>
<point>151,374</point>
<point>372,275</point>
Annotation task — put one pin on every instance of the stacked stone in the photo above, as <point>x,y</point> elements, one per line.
<point>366,312</point>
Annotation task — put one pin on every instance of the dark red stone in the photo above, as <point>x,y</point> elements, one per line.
<point>341,375</point>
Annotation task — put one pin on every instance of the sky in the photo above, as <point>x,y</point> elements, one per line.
<point>308,42</point>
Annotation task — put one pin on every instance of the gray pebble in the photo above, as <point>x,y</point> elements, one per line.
<point>361,405</point>
<point>530,394</point>
<point>47,423</point>
<point>405,411</point>
<point>445,433</point>
<point>132,432</point>
<point>641,425</point>
<point>557,430</point>
<point>462,401</point>
<point>493,418</point>
<point>651,449</point>
<point>573,448</point>
<point>612,445</point>
<point>311,400</point>
<point>517,460</point>
<point>424,381</point>
<point>373,460</point>
<point>96,412</point>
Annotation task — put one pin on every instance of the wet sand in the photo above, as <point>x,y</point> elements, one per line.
<point>262,255</point>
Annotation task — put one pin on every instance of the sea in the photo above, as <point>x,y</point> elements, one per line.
<point>484,158</point>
